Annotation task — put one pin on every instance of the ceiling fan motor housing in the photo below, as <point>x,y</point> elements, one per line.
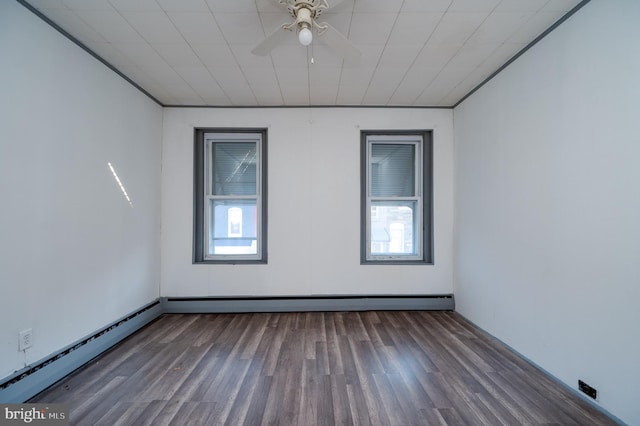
<point>304,18</point>
<point>306,11</point>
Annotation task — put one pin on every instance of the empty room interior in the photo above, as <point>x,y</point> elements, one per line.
<point>317,212</point>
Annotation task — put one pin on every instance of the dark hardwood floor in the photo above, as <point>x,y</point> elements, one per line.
<point>365,368</point>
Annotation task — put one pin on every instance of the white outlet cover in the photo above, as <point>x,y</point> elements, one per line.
<point>26,339</point>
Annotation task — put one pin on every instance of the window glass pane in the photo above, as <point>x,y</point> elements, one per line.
<point>233,227</point>
<point>393,229</point>
<point>234,168</point>
<point>392,170</point>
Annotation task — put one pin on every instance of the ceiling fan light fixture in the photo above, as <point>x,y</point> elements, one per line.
<point>305,14</point>
<point>305,36</point>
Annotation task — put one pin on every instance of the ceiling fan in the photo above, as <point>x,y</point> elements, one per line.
<point>305,14</point>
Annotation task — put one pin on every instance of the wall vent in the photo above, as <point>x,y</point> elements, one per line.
<point>587,390</point>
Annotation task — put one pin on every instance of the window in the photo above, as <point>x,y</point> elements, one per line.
<point>396,224</point>
<point>230,196</point>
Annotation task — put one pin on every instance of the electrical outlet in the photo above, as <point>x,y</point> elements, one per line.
<point>588,390</point>
<point>26,339</point>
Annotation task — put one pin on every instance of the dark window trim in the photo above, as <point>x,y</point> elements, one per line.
<point>427,197</point>
<point>198,195</point>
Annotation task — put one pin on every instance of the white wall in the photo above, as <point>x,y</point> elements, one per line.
<point>548,204</point>
<point>74,255</point>
<point>313,205</point>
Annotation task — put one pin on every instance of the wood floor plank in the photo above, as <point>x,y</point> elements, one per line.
<point>321,358</point>
<point>309,392</point>
<point>499,411</point>
<point>255,331</point>
<point>333,351</point>
<point>451,417</point>
<point>340,400</point>
<point>97,405</point>
<point>277,336</point>
<point>482,413</point>
<point>351,364</point>
<point>390,400</point>
<point>166,415</point>
<point>148,416</point>
<point>409,403</point>
<point>415,392</point>
<point>126,417</point>
<point>364,352</point>
<point>256,408</point>
<point>176,373</point>
<point>291,395</point>
<point>433,417</point>
<point>248,387</point>
<point>115,414</point>
<point>274,403</point>
<point>430,383</point>
<point>184,414</point>
<point>358,405</point>
<point>201,376</point>
<point>325,415</point>
<point>375,405</point>
<point>315,368</point>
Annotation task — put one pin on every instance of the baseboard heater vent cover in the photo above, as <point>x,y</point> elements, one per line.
<point>36,377</point>
<point>183,305</point>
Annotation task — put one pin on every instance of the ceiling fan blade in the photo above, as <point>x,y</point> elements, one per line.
<point>268,44</point>
<point>337,6</point>
<point>270,6</point>
<point>339,43</point>
<point>277,3</point>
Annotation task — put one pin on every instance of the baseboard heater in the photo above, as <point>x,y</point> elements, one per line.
<point>184,305</point>
<point>33,379</point>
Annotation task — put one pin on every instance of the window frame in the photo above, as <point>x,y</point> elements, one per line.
<point>203,139</point>
<point>423,193</point>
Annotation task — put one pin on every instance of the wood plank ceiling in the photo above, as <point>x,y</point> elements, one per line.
<point>198,52</point>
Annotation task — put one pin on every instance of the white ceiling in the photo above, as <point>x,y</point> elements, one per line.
<point>198,52</point>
